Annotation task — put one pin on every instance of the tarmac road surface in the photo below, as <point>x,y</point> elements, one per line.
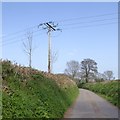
<point>90,105</point>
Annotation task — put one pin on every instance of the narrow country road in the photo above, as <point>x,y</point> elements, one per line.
<point>90,105</point>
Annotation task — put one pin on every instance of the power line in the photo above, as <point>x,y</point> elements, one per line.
<point>67,25</point>
<point>101,20</point>
<point>89,21</point>
<point>79,18</point>
<point>50,26</point>
<point>10,42</point>
<point>18,35</point>
<point>18,40</point>
<point>11,34</point>
<point>64,20</point>
<point>78,27</point>
<point>9,39</point>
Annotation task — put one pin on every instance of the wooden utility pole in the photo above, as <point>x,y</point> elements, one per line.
<point>50,26</point>
<point>49,52</point>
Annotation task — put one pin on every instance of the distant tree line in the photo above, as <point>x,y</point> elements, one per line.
<point>86,71</point>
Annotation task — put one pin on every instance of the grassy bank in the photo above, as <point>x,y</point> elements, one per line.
<point>109,90</point>
<point>34,94</point>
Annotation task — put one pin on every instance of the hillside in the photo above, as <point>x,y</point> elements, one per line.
<point>35,94</point>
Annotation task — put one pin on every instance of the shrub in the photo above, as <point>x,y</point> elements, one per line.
<point>109,90</point>
<point>35,96</point>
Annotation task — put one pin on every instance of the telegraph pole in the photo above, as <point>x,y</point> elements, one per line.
<point>49,52</point>
<point>50,26</point>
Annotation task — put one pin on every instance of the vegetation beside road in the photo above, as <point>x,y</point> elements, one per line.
<point>109,90</point>
<point>35,94</point>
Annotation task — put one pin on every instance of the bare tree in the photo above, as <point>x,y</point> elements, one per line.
<point>28,47</point>
<point>108,74</point>
<point>99,77</point>
<point>72,68</point>
<point>88,68</point>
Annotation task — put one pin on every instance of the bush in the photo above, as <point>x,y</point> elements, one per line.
<point>34,96</point>
<point>109,90</point>
<point>80,85</point>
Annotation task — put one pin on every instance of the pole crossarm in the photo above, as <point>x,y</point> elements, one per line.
<point>50,26</point>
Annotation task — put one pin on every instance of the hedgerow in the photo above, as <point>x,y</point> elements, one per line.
<point>33,95</point>
<point>109,90</point>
